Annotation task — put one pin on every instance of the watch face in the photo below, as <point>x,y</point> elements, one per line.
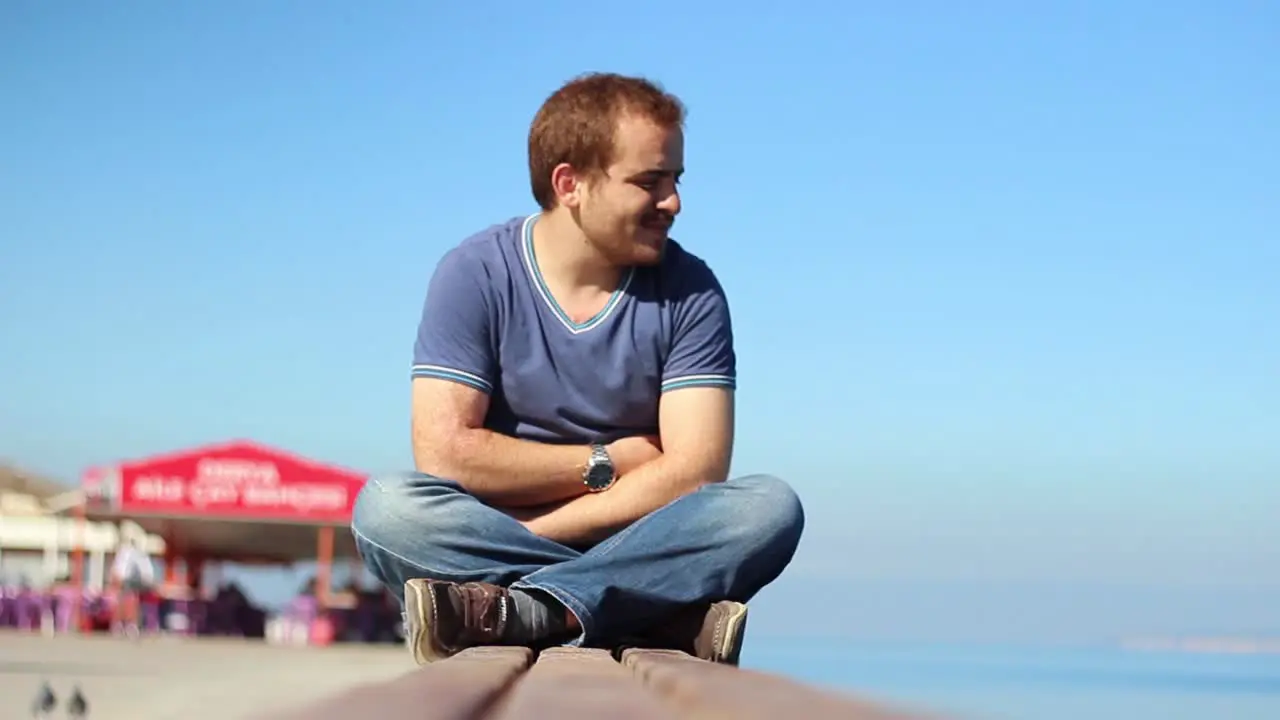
<point>600,475</point>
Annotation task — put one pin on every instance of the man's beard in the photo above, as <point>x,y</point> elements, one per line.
<point>656,221</point>
<point>641,241</point>
<point>639,248</point>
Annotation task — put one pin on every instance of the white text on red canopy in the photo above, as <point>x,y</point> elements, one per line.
<point>249,484</point>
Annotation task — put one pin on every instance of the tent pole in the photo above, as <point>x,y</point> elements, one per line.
<point>79,538</point>
<point>324,563</point>
<point>170,555</point>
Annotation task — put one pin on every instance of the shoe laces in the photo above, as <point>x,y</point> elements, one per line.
<point>484,609</point>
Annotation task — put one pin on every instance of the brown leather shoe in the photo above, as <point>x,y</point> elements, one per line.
<point>443,618</point>
<point>719,640</point>
<point>714,633</point>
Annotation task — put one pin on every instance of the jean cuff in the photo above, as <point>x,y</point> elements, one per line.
<point>585,622</point>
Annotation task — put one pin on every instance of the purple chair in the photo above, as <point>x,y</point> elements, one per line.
<point>28,606</point>
<point>300,616</point>
<point>362,621</point>
<point>304,609</point>
<point>8,607</point>
<point>63,602</point>
<point>151,617</point>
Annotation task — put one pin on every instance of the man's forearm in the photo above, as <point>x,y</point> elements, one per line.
<point>506,471</point>
<point>593,517</point>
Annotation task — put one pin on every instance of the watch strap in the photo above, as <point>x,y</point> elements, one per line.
<point>599,459</point>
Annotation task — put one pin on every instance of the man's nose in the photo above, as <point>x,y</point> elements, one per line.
<point>671,203</point>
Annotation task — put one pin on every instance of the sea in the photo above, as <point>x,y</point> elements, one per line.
<point>1085,674</point>
<point>980,682</point>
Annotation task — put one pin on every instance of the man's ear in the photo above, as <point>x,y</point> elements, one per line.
<point>567,184</point>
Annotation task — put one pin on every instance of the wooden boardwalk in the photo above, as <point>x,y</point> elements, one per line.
<point>502,683</point>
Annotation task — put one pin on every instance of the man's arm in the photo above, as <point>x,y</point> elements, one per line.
<point>695,421</point>
<point>454,371</point>
<point>697,444</point>
<point>450,441</point>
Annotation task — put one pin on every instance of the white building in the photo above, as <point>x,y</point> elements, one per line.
<point>36,545</point>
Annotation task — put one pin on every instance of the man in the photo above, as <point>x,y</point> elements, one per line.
<point>572,415</point>
<point>134,574</point>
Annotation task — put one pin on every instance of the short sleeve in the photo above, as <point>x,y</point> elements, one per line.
<point>702,353</point>
<point>454,334</point>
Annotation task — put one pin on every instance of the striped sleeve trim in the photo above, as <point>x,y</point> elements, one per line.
<point>685,381</point>
<point>447,373</point>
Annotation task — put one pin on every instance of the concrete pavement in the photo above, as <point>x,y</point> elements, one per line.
<point>183,679</point>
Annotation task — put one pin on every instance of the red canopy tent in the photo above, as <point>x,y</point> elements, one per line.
<point>237,501</point>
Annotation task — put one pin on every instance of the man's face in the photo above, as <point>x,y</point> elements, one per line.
<point>627,211</point>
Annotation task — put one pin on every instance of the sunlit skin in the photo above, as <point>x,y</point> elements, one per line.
<point>607,221</point>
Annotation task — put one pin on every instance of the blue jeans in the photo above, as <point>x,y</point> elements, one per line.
<point>724,542</point>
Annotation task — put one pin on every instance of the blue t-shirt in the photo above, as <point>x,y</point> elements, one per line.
<point>490,322</point>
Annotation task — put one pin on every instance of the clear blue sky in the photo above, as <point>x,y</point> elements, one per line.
<point>1005,276</point>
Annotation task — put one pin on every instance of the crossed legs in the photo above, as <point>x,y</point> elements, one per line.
<point>724,542</point>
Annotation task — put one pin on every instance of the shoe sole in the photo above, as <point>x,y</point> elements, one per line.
<point>418,624</point>
<point>731,648</point>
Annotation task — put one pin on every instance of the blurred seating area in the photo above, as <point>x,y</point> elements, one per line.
<point>62,574</point>
<point>351,615</point>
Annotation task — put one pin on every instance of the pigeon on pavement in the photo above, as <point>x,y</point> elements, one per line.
<point>77,706</point>
<point>45,702</point>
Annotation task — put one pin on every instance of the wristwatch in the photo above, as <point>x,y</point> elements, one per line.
<point>599,473</point>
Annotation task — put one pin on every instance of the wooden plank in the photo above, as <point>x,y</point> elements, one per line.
<point>569,683</point>
<point>462,687</point>
<point>707,690</point>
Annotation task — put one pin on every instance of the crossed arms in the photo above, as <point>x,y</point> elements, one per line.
<point>457,367</point>
<point>542,485</point>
